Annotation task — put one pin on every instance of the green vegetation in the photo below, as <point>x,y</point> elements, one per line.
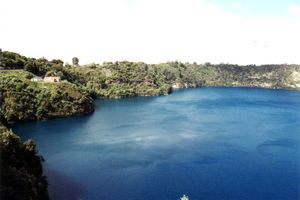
<point>75,61</point>
<point>124,79</point>
<point>21,169</point>
<point>25,100</point>
<point>266,76</point>
<point>22,99</point>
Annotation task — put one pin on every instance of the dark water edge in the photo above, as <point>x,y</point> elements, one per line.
<point>208,143</point>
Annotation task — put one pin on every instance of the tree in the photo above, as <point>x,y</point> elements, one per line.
<point>75,61</point>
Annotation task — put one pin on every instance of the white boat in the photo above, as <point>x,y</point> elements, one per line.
<point>184,197</point>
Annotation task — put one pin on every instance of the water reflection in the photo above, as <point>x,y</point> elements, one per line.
<point>63,187</point>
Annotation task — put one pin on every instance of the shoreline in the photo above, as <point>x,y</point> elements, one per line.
<point>132,97</point>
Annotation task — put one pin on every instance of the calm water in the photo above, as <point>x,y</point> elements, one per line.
<point>207,143</point>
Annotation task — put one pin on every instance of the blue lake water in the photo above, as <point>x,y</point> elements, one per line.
<point>207,143</point>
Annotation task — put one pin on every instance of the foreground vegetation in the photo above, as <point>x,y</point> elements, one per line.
<point>21,169</point>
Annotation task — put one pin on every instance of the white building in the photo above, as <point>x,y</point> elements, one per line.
<point>36,79</point>
<point>52,79</point>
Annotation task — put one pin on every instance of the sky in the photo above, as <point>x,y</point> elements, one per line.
<point>153,31</point>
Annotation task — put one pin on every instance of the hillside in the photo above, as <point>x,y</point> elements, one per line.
<point>23,100</point>
<point>122,79</point>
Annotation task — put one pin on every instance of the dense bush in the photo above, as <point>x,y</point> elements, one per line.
<point>125,79</point>
<point>22,100</point>
<point>21,169</point>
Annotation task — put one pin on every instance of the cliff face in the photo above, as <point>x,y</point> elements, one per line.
<point>295,79</point>
<point>21,169</point>
<point>265,76</point>
<point>123,79</point>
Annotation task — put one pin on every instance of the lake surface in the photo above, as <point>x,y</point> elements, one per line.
<point>207,143</point>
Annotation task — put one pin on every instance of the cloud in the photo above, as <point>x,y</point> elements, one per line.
<point>236,5</point>
<point>141,30</point>
<point>294,9</point>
